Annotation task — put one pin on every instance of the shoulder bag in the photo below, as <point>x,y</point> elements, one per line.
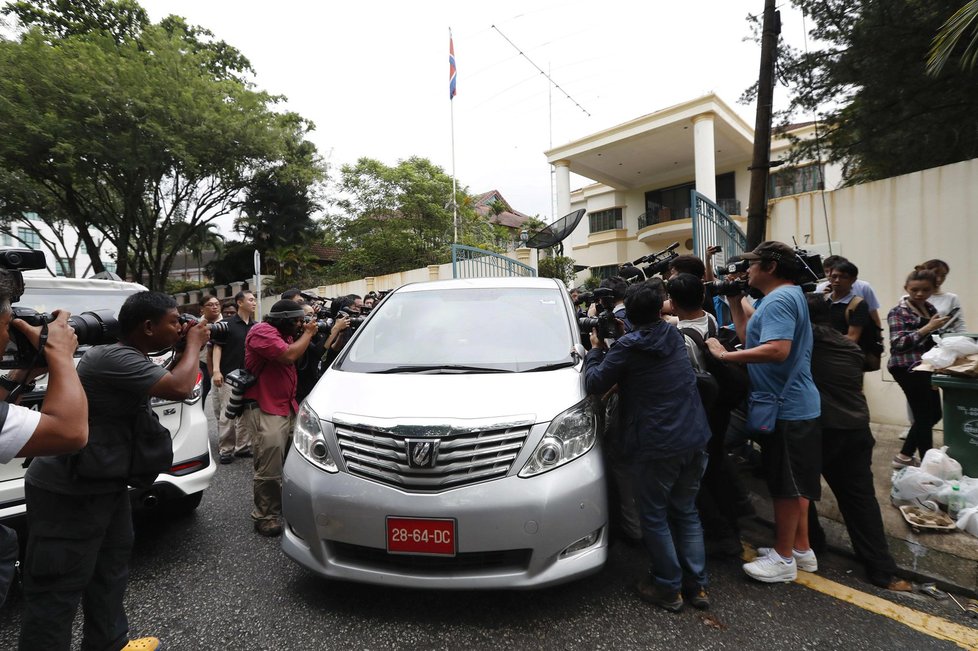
<point>763,407</point>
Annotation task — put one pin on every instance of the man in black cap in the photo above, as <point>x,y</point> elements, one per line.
<point>271,350</point>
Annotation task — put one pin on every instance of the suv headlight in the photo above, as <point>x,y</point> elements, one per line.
<point>569,436</point>
<point>310,441</point>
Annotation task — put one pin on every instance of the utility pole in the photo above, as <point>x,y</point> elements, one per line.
<point>761,162</point>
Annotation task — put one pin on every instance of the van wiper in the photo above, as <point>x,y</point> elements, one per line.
<point>550,367</point>
<point>446,368</point>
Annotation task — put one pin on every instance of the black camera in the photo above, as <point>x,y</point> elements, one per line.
<point>323,326</point>
<point>658,263</point>
<point>810,269</point>
<point>240,381</point>
<point>92,328</point>
<point>606,323</point>
<point>733,268</point>
<point>355,321</point>
<point>726,287</point>
<point>219,330</point>
<point>584,298</point>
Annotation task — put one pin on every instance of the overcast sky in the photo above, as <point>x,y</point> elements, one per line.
<point>373,75</point>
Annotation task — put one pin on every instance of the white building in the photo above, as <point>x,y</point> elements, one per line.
<point>642,173</point>
<point>65,254</point>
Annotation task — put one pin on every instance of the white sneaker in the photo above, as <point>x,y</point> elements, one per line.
<point>772,569</point>
<point>806,561</point>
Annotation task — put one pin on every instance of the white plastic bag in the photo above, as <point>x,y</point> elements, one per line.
<point>968,520</point>
<point>939,463</point>
<point>948,350</point>
<point>967,487</point>
<point>913,486</point>
<point>960,346</point>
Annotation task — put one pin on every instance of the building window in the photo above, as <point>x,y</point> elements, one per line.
<point>64,267</point>
<point>605,220</point>
<point>606,271</point>
<point>807,178</point>
<point>29,237</point>
<point>6,239</point>
<point>110,266</point>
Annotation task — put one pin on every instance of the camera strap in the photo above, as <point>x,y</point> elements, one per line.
<point>38,360</point>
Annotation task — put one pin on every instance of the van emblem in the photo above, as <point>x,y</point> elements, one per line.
<point>422,453</point>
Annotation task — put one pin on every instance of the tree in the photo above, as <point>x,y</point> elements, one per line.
<point>949,37</point>
<point>557,266</point>
<point>135,132</point>
<point>881,114</point>
<point>400,217</point>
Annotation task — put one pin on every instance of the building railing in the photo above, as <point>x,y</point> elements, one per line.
<point>730,206</point>
<point>712,226</point>
<point>470,262</point>
<point>659,214</point>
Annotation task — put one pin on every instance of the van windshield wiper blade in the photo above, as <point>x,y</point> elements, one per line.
<point>550,367</point>
<point>449,368</point>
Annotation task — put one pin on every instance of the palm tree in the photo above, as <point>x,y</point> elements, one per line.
<point>952,31</point>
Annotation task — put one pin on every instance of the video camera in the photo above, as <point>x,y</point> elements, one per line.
<point>91,327</point>
<point>605,322</point>
<point>658,263</point>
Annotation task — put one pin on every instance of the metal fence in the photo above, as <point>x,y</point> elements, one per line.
<point>470,262</point>
<point>713,227</point>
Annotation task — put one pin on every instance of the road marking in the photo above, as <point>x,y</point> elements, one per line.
<point>963,636</point>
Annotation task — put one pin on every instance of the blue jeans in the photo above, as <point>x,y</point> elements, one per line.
<point>665,490</point>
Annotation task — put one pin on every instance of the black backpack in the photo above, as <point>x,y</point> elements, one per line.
<point>733,383</point>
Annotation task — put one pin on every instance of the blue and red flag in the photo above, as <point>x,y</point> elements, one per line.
<point>451,68</point>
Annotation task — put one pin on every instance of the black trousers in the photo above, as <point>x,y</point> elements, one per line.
<point>205,384</point>
<point>720,487</point>
<point>847,455</point>
<point>925,405</point>
<point>77,551</point>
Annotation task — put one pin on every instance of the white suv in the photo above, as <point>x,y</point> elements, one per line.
<point>182,488</point>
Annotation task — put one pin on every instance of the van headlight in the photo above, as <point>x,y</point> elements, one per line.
<point>310,441</point>
<point>569,436</point>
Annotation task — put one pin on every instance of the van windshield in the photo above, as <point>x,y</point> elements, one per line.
<point>466,330</point>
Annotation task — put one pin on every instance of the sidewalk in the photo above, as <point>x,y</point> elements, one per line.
<point>949,559</point>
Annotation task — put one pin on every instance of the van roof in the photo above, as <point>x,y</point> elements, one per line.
<point>484,283</point>
<point>78,284</point>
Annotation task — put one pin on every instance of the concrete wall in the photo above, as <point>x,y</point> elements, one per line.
<point>885,228</point>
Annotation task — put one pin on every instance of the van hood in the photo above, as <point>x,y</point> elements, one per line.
<point>437,399</point>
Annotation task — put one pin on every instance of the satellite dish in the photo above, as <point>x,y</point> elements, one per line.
<point>556,232</point>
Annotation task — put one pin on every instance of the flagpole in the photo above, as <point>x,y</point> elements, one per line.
<point>451,101</point>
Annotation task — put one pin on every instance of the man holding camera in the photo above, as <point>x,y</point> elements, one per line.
<point>271,350</point>
<point>81,527</point>
<point>663,433</point>
<point>60,426</point>
<point>778,351</point>
<point>233,438</point>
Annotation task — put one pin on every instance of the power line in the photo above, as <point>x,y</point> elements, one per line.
<point>549,78</point>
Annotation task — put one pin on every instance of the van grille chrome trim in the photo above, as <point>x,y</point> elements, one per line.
<point>463,458</point>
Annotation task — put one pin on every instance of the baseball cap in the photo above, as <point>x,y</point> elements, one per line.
<point>771,250</point>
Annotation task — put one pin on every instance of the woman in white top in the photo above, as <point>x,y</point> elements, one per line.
<point>945,302</point>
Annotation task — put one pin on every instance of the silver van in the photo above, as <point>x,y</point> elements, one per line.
<point>452,445</point>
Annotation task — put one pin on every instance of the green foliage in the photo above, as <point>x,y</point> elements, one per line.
<point>560,267</point>
<point>592,283</point>
<point>882,115</point>
<point>139,133</point>
<point>177,286</point>
<point>950,36</point>
<point>400,217</point>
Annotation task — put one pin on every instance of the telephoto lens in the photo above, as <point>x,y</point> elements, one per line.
<point>240,381</point>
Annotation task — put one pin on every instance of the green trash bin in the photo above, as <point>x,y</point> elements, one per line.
<point>960,419</point>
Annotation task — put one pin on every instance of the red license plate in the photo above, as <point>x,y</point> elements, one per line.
<point>420,536</point>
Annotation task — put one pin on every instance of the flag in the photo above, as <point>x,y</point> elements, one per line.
<point>451,68</point>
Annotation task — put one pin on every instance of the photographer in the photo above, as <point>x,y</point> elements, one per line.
<point>233,437</point>
<point>81,527</point>
<point>271,351</point>
<point>311,365</point>
<point>778,351</point>
<point>61,425</point>
<point>663,435</point>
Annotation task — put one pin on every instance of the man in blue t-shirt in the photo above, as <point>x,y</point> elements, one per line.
<point>778,352</point>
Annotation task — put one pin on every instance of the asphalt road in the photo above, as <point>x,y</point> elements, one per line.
<point>207,581</point>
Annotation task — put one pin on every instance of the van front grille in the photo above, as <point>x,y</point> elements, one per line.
<point>460,458</point>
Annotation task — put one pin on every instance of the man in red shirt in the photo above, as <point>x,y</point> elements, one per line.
<point>271,350</point>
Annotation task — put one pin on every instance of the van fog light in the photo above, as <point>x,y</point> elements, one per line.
<point>583,543</point>
<point>319,450</point>
<point>549,453</point>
